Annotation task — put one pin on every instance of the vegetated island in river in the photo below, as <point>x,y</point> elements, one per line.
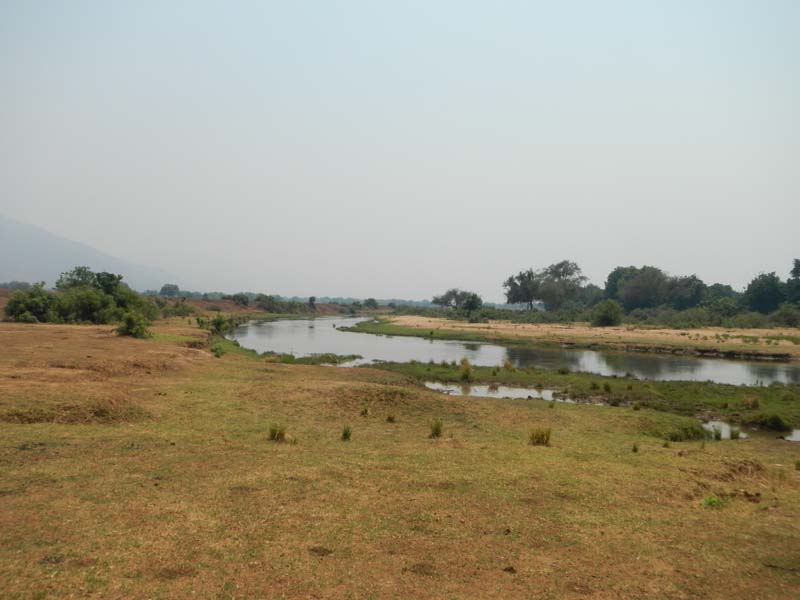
<point>711,342</point>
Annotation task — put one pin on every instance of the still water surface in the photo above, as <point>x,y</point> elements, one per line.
<point>303,337</point>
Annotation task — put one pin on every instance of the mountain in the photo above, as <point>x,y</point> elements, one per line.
<point>29,253</point>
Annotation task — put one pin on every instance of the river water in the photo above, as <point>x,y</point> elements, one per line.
<point>303,337</point>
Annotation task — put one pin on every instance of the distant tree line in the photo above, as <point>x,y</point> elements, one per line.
<point>638,294</point>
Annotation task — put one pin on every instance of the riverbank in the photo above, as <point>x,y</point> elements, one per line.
<point>143,468</point>
<point>752,344</point>
<point>770,408</point>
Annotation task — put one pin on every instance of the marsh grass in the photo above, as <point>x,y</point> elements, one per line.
<point>436,429</point>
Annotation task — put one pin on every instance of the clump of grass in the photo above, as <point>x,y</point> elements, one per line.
<point>218,350</point>
<point>346,433</point>
<point>735,433</point>
<point>277,433</point>
<point>436,429</point>
<point>750,403</point>
<point>797,465</point>
<point>364,412</point>
<point>508,365</point>
<point>637,406</point>
<point>607,387</point>
<point>717,434</point>
<point>552,404</point>
<point>466,370</point>
<point>635,447</point>
<point>665,444</point>
<point>391,419</point>
<point>563,371</point>
<point>594,386</point>
<point>712,501</point>
<point>540,436</point>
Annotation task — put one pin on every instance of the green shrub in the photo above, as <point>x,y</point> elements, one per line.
<point>636,406</point>
<point>218,350</point>
<point>346,433</point>
<point>466,370</point>
<point>607,387</point>
<point>773,422</point>
<point>607,314</point>
<point>563,371</point>
<point>134,325</point>
<point>712,501</point>
<point>717,432</point>
<point>735,433</point>
<point>436,429</point>
<point>277,433</point>
<point>539,436</point>
<point>635,447</point>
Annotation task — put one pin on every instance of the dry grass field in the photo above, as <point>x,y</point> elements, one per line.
<point>143,469</point>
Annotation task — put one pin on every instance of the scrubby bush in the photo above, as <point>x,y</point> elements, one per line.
<point>607,314</point>
<point>346,433</point>
<point>436,429</point>
<point>277,433</point>
<point>466,372</point>
<point>134,325</point>
<point>773,422</point>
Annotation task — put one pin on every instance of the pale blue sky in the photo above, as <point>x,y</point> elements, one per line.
<point>395,149</point>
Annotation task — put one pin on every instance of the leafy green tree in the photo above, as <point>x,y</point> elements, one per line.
<point>240,299</point>
<point>107,282</point>
<point>523,288</point>
<point>787,315</point>
<point>617,278</point>
<point>472,303</point>
<point>77,277</point>
<point>170,290</point>
<point>31,306</point>
<point>312,302</point>
<point>371,303</point>
<point>795,273</point>
<point>765,293</point>
<point>646,289</point>
<point>607,314</point>
<point>591,295</point>
<point>793,283</point>
<point>685,292</point>
<point>452,298</point>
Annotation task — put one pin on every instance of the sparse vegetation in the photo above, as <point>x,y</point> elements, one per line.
<point>436,429</point>
<point>346,433</point>
<point>540,436</point>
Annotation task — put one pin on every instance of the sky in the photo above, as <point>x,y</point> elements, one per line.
<point>396,149</point>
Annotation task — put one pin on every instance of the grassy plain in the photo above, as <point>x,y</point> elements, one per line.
<point>142,469</point>
<point>766,342</point>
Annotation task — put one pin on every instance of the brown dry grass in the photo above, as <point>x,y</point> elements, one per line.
<point>584,334</point>
<point>189,499</point>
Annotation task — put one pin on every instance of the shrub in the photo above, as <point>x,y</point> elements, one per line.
<point>436,429</point>
<point>735,433</point>
<point>635,447</point>
<point>508,365</point>
<point>563,371</point>
<point>607,387</point>
<point>712,501</point>
<point>466,370</point>
<point>665,444</point>
<point>552,404</point>
<point>607,314</point>
<point>636,406</point>
<point>773,422</point>
<point>390,419</point>
<point>594,386</point>
<point>717,433</point>
<point>364,412</point>
<point>218,350</point>
<point>539,436</point>
<point>277,433</point>
<point>134,325</point>
<point>346,433</point>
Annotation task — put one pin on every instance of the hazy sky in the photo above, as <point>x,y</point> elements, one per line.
<point>394,149</point>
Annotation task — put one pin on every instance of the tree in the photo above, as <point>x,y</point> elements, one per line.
<point>685,292</point>
<point>77,277</point>
<point>616,278</point>
<point>371,303</point>
<point>170,290</point>
<point>793,283</point>
<point>607,314</point>
<point>523,288</point>
<point>472,303</point>
<point>765,293</point>
<point>240,298</point>
<point>108,282</point>
<point>312,302</point>
<point>31,306</point>
<point>646,289</point>
<point>795,273</point>
<point>591,295</point>
<point>452,298</point>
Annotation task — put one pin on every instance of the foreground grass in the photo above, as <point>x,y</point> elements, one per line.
<point>769,407</point>
<point>187,496</point>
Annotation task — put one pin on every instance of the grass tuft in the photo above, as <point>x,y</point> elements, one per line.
<point>540,436</point>
<point>436,429</point>
<point>346,433</point>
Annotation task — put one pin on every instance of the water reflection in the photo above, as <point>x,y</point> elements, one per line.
<point>304,337</point>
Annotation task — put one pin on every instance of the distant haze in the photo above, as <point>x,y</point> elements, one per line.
<point>396,149</point>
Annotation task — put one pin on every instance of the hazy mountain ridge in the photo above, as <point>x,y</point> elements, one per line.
<point>30,253</point>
